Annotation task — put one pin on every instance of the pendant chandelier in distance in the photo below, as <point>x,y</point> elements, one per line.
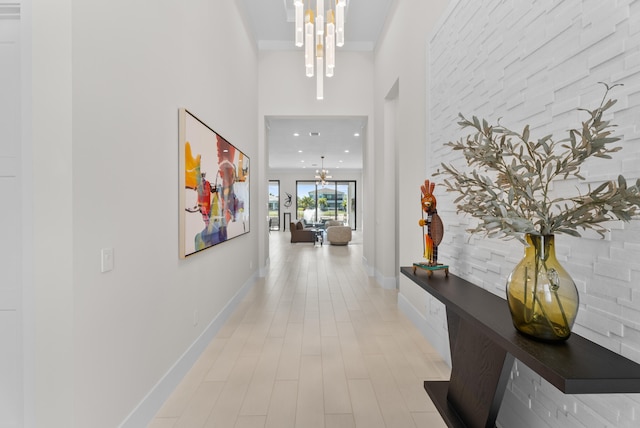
<point>318,43</point>
<point>322,174</point>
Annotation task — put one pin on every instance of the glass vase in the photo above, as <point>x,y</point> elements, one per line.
<point>542,297</point>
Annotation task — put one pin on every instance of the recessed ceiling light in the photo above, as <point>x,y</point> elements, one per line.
<point>302,161</point>
<point>357,134</point>
<point>346,151</point>
<point>314,134</point>
<point>340,161</point>
<point>295,134</point>
<point>299,151</point>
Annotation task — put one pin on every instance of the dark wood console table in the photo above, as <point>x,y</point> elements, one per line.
<point>484,343</point>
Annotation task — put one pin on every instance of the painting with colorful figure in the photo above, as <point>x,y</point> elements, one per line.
<point>214,187</point>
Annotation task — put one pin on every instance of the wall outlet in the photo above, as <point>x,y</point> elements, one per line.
<point>106,260</point>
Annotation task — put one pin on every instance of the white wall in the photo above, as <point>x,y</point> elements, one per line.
<point>108,80</point>
<point>401,72</point>
<point>49,112</point>
<point>11,307</point>
<point>536,63</point>
<point>286,91</point>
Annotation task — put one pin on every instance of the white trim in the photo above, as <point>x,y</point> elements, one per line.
<point>440,343</point>
<point>265,269</point>
<point>146,410</point>
<point>368,269</point>
<point>386,282</point>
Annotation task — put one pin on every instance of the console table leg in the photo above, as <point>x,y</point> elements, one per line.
<point>479,375</point>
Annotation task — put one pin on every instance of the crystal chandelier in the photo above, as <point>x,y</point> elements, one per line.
<point>318,43</point>
<point>322,174</point>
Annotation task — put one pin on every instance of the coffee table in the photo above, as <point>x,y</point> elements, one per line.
<point>318,233</point>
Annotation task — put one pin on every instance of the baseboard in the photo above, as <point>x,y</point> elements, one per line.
<point>386,282</point>
<point>440,343</point>
<point>368,269</point>
<point>146,410</point>
<point>265,269</point>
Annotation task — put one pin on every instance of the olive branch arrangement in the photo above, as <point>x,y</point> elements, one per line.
<point>509,188</point>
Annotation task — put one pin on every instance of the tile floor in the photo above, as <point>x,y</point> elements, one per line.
<point>316,343</point>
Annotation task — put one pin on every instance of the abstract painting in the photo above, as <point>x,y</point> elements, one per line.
<point>214,187</point>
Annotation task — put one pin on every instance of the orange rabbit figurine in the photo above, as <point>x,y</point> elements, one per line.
<point>435,229</point>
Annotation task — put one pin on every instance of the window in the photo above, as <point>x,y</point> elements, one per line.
<point>335,200</point>
<point>274,205</point>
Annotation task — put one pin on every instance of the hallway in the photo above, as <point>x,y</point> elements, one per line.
<point>316,343</point>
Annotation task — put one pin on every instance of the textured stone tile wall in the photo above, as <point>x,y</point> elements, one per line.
<point>536,63</point>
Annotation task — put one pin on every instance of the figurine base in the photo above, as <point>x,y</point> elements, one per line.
<point>431,268</point>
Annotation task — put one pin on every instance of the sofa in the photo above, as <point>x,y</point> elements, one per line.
<point>339,235</point>
<point>301,234</point>
<point>330,223</point>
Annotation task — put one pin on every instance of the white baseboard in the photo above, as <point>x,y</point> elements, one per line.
<point>386,282</point>
<point>439,342</point>
<point>368,269</point>
<point>146,410</point>
<point>265,269</point>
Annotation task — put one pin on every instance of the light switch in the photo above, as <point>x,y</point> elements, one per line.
<point>107,260</point>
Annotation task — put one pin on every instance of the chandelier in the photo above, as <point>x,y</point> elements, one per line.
<point>322,174</point>
<point>318,43</point>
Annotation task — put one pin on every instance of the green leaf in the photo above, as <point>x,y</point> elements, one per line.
<point>508,184</point>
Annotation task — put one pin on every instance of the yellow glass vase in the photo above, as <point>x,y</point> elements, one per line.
<point>542,297</point>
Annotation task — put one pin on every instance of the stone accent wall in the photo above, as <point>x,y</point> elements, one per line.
<point>536,63</point>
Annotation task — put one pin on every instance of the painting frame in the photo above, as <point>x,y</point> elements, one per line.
<point>214,187</point>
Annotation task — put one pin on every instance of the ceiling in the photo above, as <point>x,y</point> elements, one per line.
<point>271,22</point>
<point>299,142</point>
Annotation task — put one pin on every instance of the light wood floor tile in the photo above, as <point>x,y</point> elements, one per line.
<point>280,320</point>
<point>296,314</point>
<point>227,407</point>
<point>428,419</point>
<point>200,405</point>
<point>365,405</point>
<point>258,335</point>
<point>229,355</point>
<point>340,311</point>
<point>314,344</point>
<point>178,401</point>
<point>289,364</point>
<point>250,422</point>
<point>282,408</point>
<point>339,421</point>
<point>160,422</point>
<point>334,379</point>
<point>310,403</point>
<point>256,401</point>
<point>311,344</point>
<point>394,410</point>
<point>327,318</point>
<point>351,353</point>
